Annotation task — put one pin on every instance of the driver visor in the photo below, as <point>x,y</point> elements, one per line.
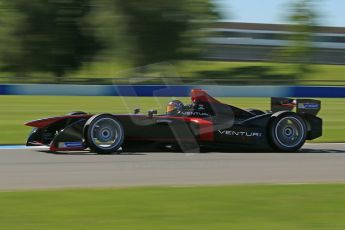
<point>170,108</point>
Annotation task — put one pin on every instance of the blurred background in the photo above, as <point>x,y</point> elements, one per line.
<point>220,42</point>
<point>196,42</point>
<point>213,41</point>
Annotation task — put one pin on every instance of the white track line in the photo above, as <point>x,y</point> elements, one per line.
<point>17,147</point>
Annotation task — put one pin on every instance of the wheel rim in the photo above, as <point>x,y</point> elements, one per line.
<point>289,132</point>
<point>106,133</point>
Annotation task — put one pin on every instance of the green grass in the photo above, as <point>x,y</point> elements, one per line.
<point>222,207</point>
<point>319,72</point>
<point>19,109</point>
<point>190,71</point>
<point>263,73</point>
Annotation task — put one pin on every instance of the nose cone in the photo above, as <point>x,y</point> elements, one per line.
<point>40,123</point>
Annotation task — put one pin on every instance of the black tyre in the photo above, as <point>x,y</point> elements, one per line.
<point>287,132</point>
<point>104,134</point>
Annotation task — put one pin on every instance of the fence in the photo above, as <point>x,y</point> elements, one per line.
<point>172,90</point>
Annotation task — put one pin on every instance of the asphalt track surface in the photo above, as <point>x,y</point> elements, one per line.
<point>39,169</point>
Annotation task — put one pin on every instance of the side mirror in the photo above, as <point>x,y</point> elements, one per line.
<point>152,112</point>
<point>136,111</point>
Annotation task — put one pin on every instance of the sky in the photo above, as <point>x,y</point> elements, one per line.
<point>272,11</point>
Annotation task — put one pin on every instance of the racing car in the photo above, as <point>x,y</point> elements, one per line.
<point>205,123</point>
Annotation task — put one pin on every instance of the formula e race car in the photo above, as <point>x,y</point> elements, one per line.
<point>206,123</point>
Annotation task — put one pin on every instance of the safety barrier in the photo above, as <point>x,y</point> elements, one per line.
<point>172,90</point>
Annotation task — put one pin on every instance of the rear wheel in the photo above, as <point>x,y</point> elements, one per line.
<point>104,134</point>
<point>287,132</point>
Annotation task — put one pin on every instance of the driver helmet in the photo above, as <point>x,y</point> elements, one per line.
<point>174,107</point>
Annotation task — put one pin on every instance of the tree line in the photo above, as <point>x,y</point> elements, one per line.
<point>58,36</point>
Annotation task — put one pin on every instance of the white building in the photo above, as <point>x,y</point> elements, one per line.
<point>257,42</point>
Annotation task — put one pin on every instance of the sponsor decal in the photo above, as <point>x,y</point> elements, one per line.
<point>239,133</point>
<point>308,106</point>
<point>201,107</point>
<point>194,113</point>
<point>70,145</point>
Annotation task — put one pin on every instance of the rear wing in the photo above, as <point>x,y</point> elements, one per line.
<point>303,106</point>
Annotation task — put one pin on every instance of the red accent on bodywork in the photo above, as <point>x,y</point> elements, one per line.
<point>290,105</point>
<point>205,129</point>
<point>155,139</point>
<point>199,95</point>
<point>205,126</point>
<point>37,143</point>
<point>41,123</point>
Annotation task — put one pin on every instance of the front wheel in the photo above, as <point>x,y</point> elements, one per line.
<point>104,134</point>
<point>287,132</point>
